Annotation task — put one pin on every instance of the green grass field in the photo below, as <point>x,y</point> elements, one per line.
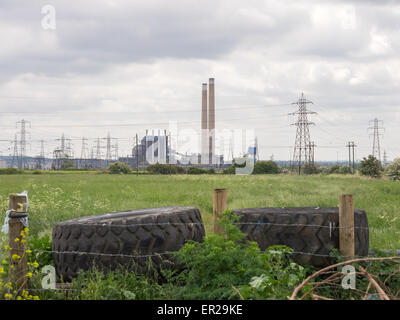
<point>58,197</point>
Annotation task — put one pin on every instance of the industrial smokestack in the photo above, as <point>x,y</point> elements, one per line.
<point>211,119</point>
<point>204,119</point>
<point>204,125</point>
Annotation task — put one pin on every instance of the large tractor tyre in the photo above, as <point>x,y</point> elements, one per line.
<point>311,232</point>
<point>110,240</point>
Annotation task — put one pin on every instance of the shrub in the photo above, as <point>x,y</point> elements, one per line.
<point>119,168</point>
<point>371,167</point>
<point>213,267</point>
<point>339,169</point>
<point>310,168</point>
<point>393,170</point>
<point>195,170</point>
<point>41,250</point>
<point>10,171</point>
<point>265,167</point>
<point>229,170</point>
<point>160,168</point>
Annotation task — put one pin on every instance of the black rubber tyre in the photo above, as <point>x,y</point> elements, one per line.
<point>110,239</point>
<point>313,231</point>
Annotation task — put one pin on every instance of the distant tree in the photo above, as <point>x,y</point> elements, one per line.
<point>67,164</point>
<point>393,170</point>
<point>339,169</point>
<point>119,168</point>
<point>371,167</point>
<point>195,170</point>
<point>265,167</point>
<point>229,170</point>
<point>160,168</point>
<point>310,168</point>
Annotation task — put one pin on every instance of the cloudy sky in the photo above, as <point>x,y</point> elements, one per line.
<point>126,66</point>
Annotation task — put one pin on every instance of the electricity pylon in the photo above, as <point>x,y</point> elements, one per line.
<point>376,147</point>
<point>303,153</point>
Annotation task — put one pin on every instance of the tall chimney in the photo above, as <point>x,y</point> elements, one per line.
<point>211,119</point>
<point>204,106</point>
<point>204,125</point>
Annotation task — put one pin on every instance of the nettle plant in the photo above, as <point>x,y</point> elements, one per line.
<point>11,290</point>
<point>227,266</point>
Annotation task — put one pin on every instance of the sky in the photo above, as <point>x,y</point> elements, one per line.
<point>124,67</point>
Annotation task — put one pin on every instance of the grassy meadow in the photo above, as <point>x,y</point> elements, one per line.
<point>58,197</point>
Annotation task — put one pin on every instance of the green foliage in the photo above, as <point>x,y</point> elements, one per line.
<point>310,168</point>
<point>280,277</point>
<point>160,168</point>
<point>229,170</point>
<point>393,170</point>
<point>371,167</point>
<point>195,170</point>
<point>10,171</point>
<point>67,164</point>
<point>213,267</point>
<point>384,272</point>
<point>40,244</point>
<point>119,168</point>
<point>265,167</point>
<point>339,169</point>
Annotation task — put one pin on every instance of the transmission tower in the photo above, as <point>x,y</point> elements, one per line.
<point>65,149</point>
<point>98,154</point>
<point>84,153</point>
<point>377,127</point>
<point>111,148</point>
<point>385,159</point>
<point>22,144</point>
<point>303,153</point>
<point>40,160</point>
<point>311,153</point>
<point>14,162</point>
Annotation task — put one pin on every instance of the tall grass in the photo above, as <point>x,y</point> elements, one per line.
<point>54,198</point>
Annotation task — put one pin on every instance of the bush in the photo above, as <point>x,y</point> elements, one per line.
<point>393,170</point>
<point>160,168</point>
<point>119,168</point>
<point>10,171</point>
<point>371,167</point>
<point>230,170</point>
<point>213,267</point>
<point>195,170</point>
<point>265,167</point>
<point>310,168</point>
<point>41,250</point>
<point>339,169</point>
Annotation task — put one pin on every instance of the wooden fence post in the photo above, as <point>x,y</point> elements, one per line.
<point>219,205</point>
<point>346,226</point>
<point>18,268</point>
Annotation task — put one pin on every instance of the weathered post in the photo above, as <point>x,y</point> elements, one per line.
<point>18,267</point>
<point>219,205</point>
<point>346,226</point>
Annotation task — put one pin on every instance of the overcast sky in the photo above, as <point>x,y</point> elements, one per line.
<point>127,66</point>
